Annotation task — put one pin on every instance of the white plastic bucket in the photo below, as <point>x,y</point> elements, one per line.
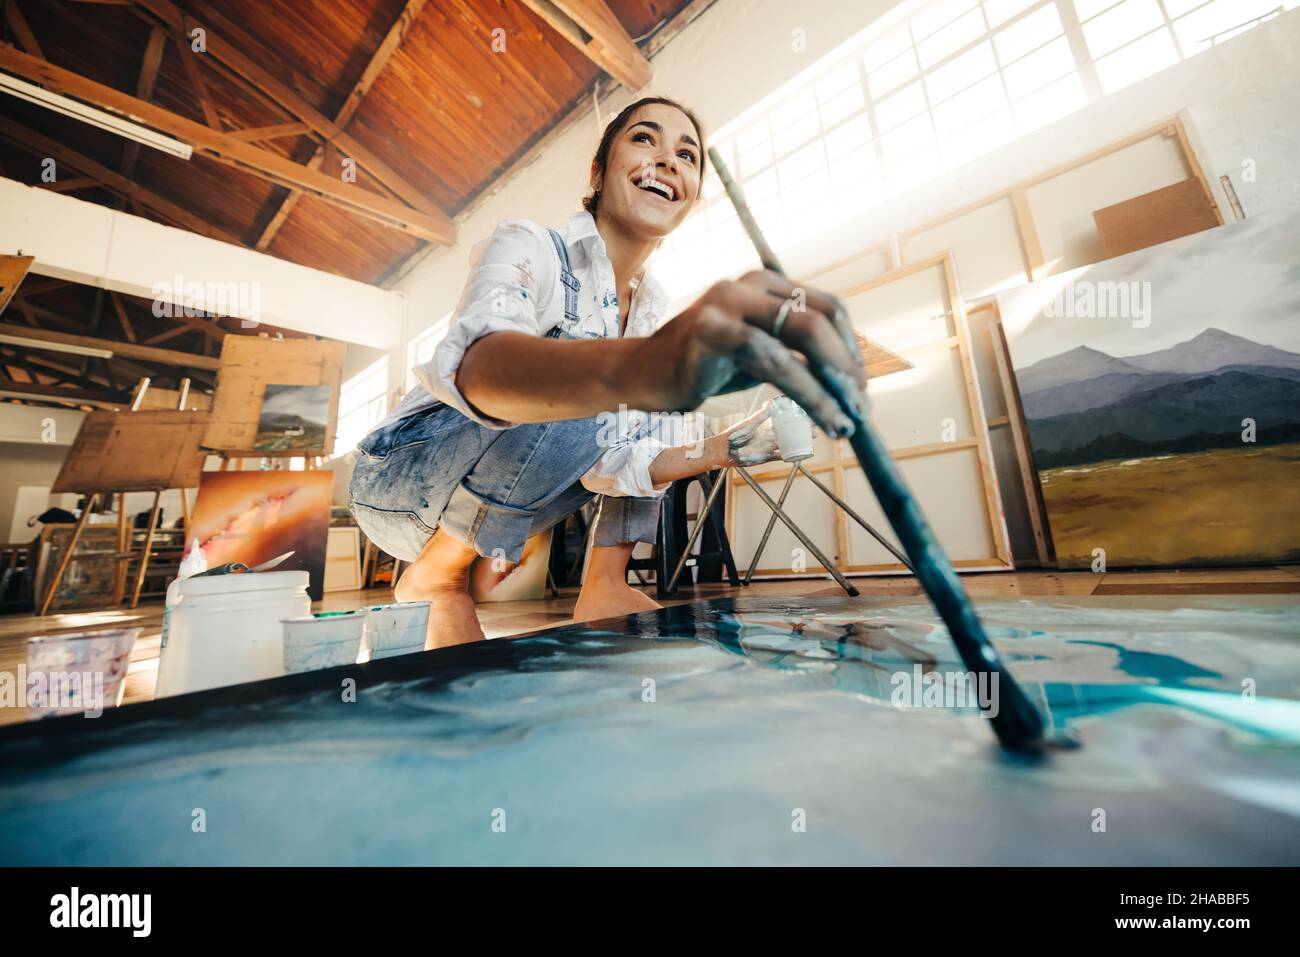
<point>397,629</point>
<point>322,641</point>
<point>225,630</point>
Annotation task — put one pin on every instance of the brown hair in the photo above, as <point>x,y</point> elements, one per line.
<point>592,202</point>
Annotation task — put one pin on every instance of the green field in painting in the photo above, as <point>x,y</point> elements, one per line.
<point>1218,507</point>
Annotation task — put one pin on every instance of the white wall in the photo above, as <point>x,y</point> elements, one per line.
<point>86,243</point>
<point>25,464</point>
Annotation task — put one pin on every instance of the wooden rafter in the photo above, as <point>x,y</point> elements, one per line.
<point>149,65</point>
<point>70,185</point>
<point>119,307</point>
<point>127,349</point>
<point>256,134</point>
<point>592,27</point>
<point>38,286</point>
<point>23,33</point>
<point>268,86</point>
<point>43,145</point>
<point>56,392</point>
<point>392,40</point>
<point>191,66</point>
<point>227,150</point>
<point>169,334</point>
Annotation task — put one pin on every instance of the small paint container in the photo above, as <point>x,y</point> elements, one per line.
<point>793,429</point>
<point>312,642</point>
<point>397,629</point>
<point>78,671</point>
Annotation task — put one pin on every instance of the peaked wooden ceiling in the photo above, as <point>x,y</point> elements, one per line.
<point>429,101</point>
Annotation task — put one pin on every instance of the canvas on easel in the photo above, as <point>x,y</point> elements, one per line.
<point>258,371</point>
<point>120,452</point>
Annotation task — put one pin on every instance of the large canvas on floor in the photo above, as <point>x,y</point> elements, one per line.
<point>1162,395</point>
<point>252,517</point>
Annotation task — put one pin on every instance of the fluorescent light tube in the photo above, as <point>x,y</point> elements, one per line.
<point>88,114</point>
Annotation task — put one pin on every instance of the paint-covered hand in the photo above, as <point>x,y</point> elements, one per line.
<point>752,441</point>
<point>761,328</point>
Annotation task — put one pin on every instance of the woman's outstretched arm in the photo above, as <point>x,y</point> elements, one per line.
<point>517,377</point>
<point>722,342</point>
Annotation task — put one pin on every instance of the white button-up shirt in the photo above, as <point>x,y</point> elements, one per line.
<point>515,286</point>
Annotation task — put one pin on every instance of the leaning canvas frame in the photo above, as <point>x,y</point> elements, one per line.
<point>1129,435</point>
<point>836,466</point>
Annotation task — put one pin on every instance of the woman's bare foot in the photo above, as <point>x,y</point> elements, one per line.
<point>440,576</point>
<point>611,600</point>
<point>605,591</point>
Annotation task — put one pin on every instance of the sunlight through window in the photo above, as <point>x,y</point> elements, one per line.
<point>362,403</point>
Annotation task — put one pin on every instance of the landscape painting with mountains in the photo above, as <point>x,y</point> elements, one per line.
<point>1177,441</point>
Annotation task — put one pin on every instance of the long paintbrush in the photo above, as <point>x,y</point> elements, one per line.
<point>1016,721</point>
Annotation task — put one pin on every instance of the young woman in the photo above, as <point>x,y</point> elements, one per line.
<point>522,414</point>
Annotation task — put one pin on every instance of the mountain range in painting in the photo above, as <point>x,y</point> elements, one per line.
<point>1084,406</point>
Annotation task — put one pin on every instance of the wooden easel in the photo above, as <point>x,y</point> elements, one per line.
<point>120,452</point>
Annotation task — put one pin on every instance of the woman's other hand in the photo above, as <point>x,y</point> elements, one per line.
<point>760,328</point>
<point>752,441</point>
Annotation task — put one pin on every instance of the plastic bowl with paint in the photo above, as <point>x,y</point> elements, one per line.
<point>793,429</point>
<point>397,629</point>
<point>328,640</point>
<point>78,671</point>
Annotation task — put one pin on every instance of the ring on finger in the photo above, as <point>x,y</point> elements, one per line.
<point>781,314</point>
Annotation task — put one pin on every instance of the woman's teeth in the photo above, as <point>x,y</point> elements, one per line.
<point>663,189</point>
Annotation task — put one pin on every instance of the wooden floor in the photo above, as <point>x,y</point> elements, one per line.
<point>504,619</point>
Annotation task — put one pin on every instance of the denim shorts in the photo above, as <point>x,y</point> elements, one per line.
<point>489,488</point>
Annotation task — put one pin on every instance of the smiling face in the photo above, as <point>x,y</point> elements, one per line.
<point>652,174</point>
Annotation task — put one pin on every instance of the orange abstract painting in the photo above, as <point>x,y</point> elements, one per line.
<point>252,517</point>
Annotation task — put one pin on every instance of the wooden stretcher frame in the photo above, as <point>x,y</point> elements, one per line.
<point>843,460</point>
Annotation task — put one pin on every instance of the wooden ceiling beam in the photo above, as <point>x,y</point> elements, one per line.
<point>256,134</point>
<point>70,185</point>
<point>130,350</point>
<point>592,27</point>
<point>58,393</point>
<point>119,307</point>
<point>63,373</point>
<point>144,85</point>
<point>30,288</point>
<point>376,66</point>
<point>43,145</point>
<point>225,149</point>
<point>181,40</point>
<point>22,32</point>
<point>168,334</point>
<point>379,61</point>
<point>269,86</point>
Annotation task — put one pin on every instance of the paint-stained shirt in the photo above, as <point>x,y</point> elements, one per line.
<point>515,286</point>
